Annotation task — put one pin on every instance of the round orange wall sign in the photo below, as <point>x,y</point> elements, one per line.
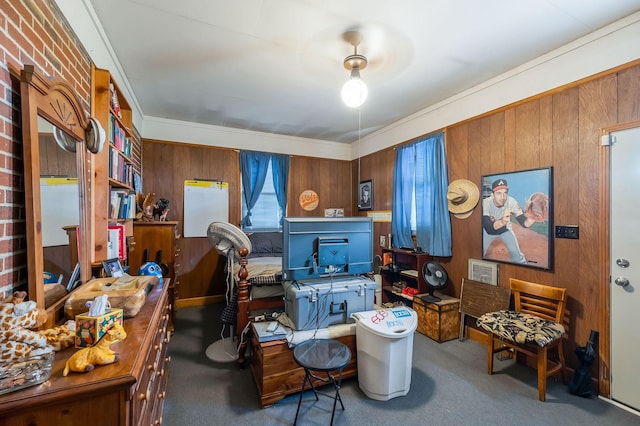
<point>309,200</point>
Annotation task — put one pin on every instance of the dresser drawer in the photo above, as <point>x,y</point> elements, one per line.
<point>149,390</point>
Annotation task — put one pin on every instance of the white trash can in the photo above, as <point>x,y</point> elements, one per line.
<point>384,341</point>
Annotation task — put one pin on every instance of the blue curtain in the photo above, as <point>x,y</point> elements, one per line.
<point>280,170</point>
<point>421,167</point>
<point>433,224</point>
<point>403,183</point>
<point>253,167</point>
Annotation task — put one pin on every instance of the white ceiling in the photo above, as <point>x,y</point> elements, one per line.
<point>277,65</point>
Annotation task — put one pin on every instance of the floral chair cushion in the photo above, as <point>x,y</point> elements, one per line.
<point>520,327</point>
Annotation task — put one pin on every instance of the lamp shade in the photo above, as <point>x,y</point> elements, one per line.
<point>354,92</point>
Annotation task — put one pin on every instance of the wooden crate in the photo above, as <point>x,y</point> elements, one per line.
<point>277,374</point>
<point>439,321</point>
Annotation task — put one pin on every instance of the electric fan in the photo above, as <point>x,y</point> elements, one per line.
<point>436,278</point>
<point>377,264</point>
<point>227,239</point>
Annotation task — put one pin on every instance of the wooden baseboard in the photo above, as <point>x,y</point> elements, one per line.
<point>198,301</point>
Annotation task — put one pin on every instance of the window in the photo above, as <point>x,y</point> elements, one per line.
<point>419,204</point>
<point>266,214</point>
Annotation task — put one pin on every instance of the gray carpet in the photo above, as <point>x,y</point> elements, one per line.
<point>449,386</point>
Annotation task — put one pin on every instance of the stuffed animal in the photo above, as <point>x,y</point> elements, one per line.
<point>87,358</point>
<point>18,337</point>
<point>61,336</point>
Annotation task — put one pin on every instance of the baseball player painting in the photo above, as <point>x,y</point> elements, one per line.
<point>500,211</point>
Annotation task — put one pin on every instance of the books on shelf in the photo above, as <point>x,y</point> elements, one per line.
<point>118,136</point>
<point>119,168</point>
<point>116,242</point>
<point>114,102</point>
<point>122,204</point>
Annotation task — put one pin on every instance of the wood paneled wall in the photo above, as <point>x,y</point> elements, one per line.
<point>165,167</point>
<point>330,179</point>
<point>559,129</point>
<point>378,168</point>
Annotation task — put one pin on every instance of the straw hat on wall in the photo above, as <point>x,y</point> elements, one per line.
<point>463,196</point>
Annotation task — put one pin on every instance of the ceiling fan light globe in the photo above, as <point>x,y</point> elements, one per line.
<point>354,92</point>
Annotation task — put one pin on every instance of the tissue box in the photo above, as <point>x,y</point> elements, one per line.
<point>90,329</point>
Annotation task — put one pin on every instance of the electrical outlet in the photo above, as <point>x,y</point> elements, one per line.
<point>383,240</point>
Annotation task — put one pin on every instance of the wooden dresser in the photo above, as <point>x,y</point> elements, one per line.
<point>128,392</point>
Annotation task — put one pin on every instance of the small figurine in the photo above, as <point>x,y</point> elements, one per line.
<point>145,206</point>
<point>161,209</point>
<point>87,358</point>
<point>148,209</point>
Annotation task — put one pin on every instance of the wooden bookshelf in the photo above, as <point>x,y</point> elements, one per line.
<point>113,168</point>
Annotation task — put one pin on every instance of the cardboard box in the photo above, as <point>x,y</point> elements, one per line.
<point>90,329</point>
<point>319,303</point>
<point>439,321</point>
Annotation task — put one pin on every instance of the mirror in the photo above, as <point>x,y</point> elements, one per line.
<point>53,124</point>
<point>60,207</point>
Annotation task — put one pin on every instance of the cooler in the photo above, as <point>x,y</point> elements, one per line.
<point>322,302</point>
<point>384,339</point>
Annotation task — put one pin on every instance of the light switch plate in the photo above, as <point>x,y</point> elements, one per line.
<point>568,231</point>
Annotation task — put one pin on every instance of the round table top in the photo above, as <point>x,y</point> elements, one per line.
<point>322,354</point>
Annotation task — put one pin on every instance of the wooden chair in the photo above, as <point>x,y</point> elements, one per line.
<point>534,328</point>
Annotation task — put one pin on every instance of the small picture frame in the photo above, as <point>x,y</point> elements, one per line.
<point>365,195</point>
<point>334,212</point>
<point>112,267</point>
<point>74,281</point>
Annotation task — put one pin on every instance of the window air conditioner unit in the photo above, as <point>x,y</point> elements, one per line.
<point>483,271</point>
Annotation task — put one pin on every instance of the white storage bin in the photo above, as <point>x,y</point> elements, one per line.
<point>384,341</point>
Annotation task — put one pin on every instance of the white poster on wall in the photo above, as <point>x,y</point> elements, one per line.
<point>204,202</point>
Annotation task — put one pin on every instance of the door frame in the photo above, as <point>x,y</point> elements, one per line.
<point>604,257</point>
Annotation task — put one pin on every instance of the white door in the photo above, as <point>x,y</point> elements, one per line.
<point>625,267</point>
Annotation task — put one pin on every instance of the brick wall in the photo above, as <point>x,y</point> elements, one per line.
<point>31,32</point>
